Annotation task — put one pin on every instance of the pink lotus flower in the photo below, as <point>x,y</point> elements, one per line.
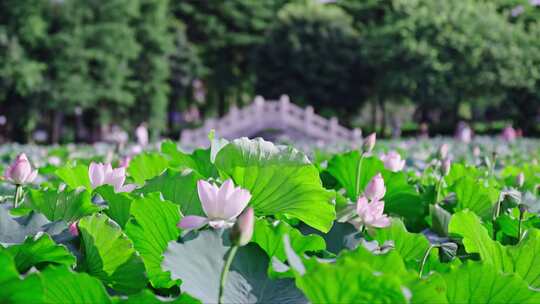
<point>370,214</point>
<point>446,166</point>
<point>20,171</point>
<point>220,204</point>
<point>392,161</point>
<point>242,231</point>
<point>509,134</point>
<point>73,229</point>
<point>375,189</point>
<point>104,174</point>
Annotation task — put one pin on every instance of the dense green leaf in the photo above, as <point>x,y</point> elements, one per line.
<point>68,205</point>
<point>40,249</point>
<point>269,237</point>
<point>146,166</point>
<point>153,226</point>
<point>118,204</point>
<point>75,176</point>
<point>410,246</point>
<point>476,240</point>
<point>475,196</point>
<point>179,188</point>
<point>280,179</point>
<point>483,283</point>
<point>147,297</point>
<point>344,167</point>
<point>14,289</point>
<point>198,263</point>
<point>109,255</point>
<point>526,258</point>
<point>61,285</point>
<point>198,161</point>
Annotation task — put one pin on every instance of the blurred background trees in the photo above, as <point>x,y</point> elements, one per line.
<point>74,67</point>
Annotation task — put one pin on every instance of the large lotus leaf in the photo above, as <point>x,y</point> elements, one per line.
<point>109,255</point>
<point>179,188</point>
<point>354,278</point>
<point>475,196</point>
<point>75,176</point>
<point>15,230</point>
<point>147,297</point>
<point>68,205</point>
<point>341,236</point>
<point>269,237</point>
<point>118,204</point>
<point>38,250</point>
<point>61,285</point>
<point>476,240</point>
<point>429,290</point>
<point>152,227</point>
<point>146,166</point>
<point>526,258</point>
<point>198,263</point>
<point>482,283</point>
<point>281,180</point>
<point>13,288</point>
<point>198,161</point>
<point>410,246</point>
<point>401,198</point>
<point>344,168</point>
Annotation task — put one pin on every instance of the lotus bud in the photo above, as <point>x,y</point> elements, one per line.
<point>73,229</point>
<point>375,189</point>
<point>369,142</point>
<point>242,231</point>
<point>20,171</point>
<point>520,179</point>
<point>443,151</point>
<point>445,167</point>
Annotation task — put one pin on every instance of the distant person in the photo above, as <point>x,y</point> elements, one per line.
<point>464,132</point>
<point>508,133</point>
<point>142,134</point>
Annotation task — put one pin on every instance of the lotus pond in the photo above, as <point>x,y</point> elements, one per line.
<point>250,221</point>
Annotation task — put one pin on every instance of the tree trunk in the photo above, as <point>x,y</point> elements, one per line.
<point>374,106</point>
<point>56,130</point>
<point>382,102</point>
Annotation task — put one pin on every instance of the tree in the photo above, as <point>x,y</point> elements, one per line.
<point>442,54</point>
<point>312,53</point>
<point>225,33</point>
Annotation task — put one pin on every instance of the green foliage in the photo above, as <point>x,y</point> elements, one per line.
<point>68,205</point>
<point>281,181</point>
<point>146,166</point>
<point>152,227</point>
<point>291,58</point>
<point>109,254</point>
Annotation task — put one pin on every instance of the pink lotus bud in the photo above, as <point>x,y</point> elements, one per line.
<point>20,171</point>
<point>73,229</point>
<point>476,151</point>
<point>369,142</point>
<point>443,151</point>
<point>445,167</point>
<point>393,162</point>
<point>242,231</point>
<point>520,179</point>
<point>375,189</point>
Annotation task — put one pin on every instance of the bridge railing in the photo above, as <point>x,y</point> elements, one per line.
<point>272,114</point>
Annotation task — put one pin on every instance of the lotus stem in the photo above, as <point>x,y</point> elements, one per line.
<point>230,257</point>
<point>357,181</point>
<point>18,192</point>
<point>424,259</point>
